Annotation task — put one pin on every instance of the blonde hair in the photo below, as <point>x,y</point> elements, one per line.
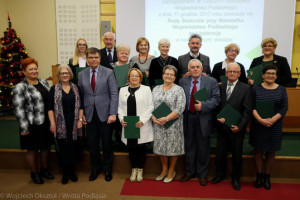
<point>123,47</point>
<point>266,40</point>
<point>138,71</point>
<point>229,46</point>
<point>139,41</point>
<point>64,66</point>
<point>76,54</point>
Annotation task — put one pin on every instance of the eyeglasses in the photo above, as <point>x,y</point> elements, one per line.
<point>270,73</point>
<point>134,76</point>
<point>167,74</point>
<point>81,45</point>
<point>64,73</point>
<point>235,72</point>
<point>232,50</point>
<point>268,46</point>
<point>93,57</point>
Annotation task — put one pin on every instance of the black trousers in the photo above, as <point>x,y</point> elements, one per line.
<point>96,131</point>
<point>227,140</point>
<point>137,155</point>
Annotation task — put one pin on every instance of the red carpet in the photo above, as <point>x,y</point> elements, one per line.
<point>223,190</point>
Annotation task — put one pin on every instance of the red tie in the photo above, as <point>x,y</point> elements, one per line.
<point>192,101</point>
<point>93,82</point>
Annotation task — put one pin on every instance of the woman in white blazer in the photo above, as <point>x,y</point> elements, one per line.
<point>136,100</point>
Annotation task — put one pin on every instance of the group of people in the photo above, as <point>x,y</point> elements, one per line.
<point>93,98</point>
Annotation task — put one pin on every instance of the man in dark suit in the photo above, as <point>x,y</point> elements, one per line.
<point>195,43</point>
<point>198,121</point>
<point>108,53</point>
<point>100,99</point>
<point>238,95</point>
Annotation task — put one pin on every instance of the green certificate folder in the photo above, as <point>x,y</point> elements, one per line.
<point>121,75</point>
<point>265,109</point>
<point>131,131</point>
<point>145,79</point>
<point>158,82</point>
<point>231,115</point>
<point>201,95</point>
<point>79,69</point>
<point>223,79</point>
<point>255,74</point>
<point>163,110</point>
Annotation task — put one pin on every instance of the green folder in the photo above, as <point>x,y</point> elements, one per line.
<point>79,69</point>
<point>131,131</point>
<point>158,82</point>
<point>163,110</point>
<point>121,74</point>
<point>231,115</point>
<point>223,79</point>
<point>255,74</point>
<point>201,95</point>
<point>145,79</point>
<point>265,109</point>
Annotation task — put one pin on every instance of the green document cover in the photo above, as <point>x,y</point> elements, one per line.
<point>121,75</point>
<point>78,69</point>
<point>231,115</point>
<point>265,109</point>
<point>201,95</point>
<point>145,79</point>
<point>163,110</point>
<point>223,79</point>
<point>158,82</point>
<point>131,131</point>
<point>255,74</point>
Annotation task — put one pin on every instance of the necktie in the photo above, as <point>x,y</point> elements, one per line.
<point>192,101</point>
<point>93,81</point>
<point>109,56</point>
<point>229,90</point>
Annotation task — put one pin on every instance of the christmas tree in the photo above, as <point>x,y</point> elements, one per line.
<point>12,52</point>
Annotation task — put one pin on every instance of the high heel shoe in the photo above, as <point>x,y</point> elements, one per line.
<point>259,180</point>
<point>46,173</point>
<point>168,180</point>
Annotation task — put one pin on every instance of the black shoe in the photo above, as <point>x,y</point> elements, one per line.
<point>217,179</point>
<point>45,173</point>
<point>94,175</point>
<point>259,180</point>
<point>185,178</point>
<point>73,177</point>
<point>36,178</point>
<point>267,182</point>
<point>108,175</point>
<point>65,179</point>
<point>236,184</point>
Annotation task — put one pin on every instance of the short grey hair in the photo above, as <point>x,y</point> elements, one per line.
<point>64,66</point>
<point>195,60</point>
<point>195,36</point>
<point>164,41</point>
<point>107,33</point>
<point>171,67</point>
<point>232,64</point>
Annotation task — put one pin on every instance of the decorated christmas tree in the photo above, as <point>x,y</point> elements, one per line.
<point>12,52</point>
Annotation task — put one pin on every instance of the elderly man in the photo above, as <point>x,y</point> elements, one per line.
<point>198,121</point>
<point>100,99</point>
<point>237,95</point>
<point>108,53</point>
<point>195,43</point>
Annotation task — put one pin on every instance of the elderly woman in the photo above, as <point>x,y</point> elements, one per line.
<point>231,51</point>
<point>143,59</point>
<point>136,100</point>
<point>157,64</point>
<point>268,46</point>
<point>30,100</point>
<point>266,133</point>
<point>123,52</point>
<point>79,58</point>
<point>169,143</point>
<point>65,114</point>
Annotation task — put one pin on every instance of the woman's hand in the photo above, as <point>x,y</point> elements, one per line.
<point>124,124</point>
<point>84,120</point>
<point>265,122</point>
<point>155,121</point>
<point>25,133</point>
<point>147,73</point>
<point>163,120</point>
<point>53,129</point>
<point>250,81</point>
<point>139,124</point>
<point>79,124</point>
<point>221,120</point>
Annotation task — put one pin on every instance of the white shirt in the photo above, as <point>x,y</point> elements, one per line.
<point>82,62</point>
<point>194,55</point>
<point>224,64</point>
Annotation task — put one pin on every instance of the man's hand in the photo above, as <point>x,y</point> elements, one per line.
<point>198,105</point>
<point>111,119</point>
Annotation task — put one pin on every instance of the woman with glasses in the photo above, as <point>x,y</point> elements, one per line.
<point>79,58</point>
<point>266,132</point>
<point>231,51</point>
<point>136,100</point>
<point>65,110</point>
<point>268,46</point>
<point>169,142</point>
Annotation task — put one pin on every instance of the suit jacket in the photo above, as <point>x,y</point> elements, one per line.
<point>144,108</point>
<point>284,70</point>
<point>105,96</point>
<point>104,59</point>
<point>184,61</point>
<point>206,114</point>
<point>241,100</point>
<point>218,72</point>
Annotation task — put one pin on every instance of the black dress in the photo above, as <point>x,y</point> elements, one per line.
<point>39,136</point>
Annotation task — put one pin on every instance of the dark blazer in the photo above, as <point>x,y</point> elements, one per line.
<point>206,114</point>
<point>284,70</point>
<point>241,100</point>
<point>73,68</point>
<point>184,61</point>
<point>104,59</point>
<point>218,72</point>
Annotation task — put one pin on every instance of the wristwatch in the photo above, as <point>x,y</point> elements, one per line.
<point>80,120</point>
